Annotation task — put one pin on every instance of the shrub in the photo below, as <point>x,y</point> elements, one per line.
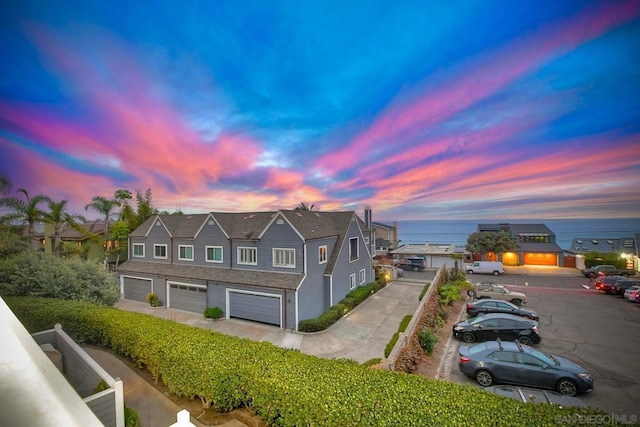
<point>424,291</point>
<point>392,343</point>
<point>372,362</point>
<point>427,339</point>
<point>213,313</point>
<point>131,417</point>
<point>448,294</point>
<point>283,387</point>
<point>153,300</point>
<point>41,275</point>
<point>405,322</point>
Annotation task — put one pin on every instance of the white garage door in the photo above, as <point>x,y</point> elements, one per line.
<point>187,297</point>
<point>136,289</point>
<point>263,308</point>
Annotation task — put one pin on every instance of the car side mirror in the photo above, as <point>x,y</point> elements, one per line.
<point>545,366</point>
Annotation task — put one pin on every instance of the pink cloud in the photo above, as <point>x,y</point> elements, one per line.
<point>138,129</point>
<point>481,78</point>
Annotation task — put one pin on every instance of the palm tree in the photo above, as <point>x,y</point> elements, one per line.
<point>304,207</point>
<point>105,207</point>
<point>58,218</point>
<point>24,212</point>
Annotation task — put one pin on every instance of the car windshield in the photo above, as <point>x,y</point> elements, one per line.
<point>549,359</point>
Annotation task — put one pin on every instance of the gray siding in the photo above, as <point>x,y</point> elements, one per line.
<point>281,236</point>
<point>211,235</point>
<point>103,405</point>
<point>83,378</point>
<point>157,236</point>
<point>344,268</point>
<point>313,296</point>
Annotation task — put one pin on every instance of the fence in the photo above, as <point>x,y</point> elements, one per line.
<point>85,374</point>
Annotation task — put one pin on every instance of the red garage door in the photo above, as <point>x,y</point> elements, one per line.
<point>540,259</point>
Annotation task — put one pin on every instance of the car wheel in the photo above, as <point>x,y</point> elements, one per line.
<point>469,271</point>
<point>517,302</point>
<point>484,378</point>
<point>415,268</point>
<point>567,387</point>
<point>525,340</point>
<point>468,337</point>
<point>496,273</point>
<point>471,293</point>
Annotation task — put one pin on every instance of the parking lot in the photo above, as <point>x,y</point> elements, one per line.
<point>598,331</point>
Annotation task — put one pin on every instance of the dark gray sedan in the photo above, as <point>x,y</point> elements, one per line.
<point>494,362</point>
<point>484,306</point>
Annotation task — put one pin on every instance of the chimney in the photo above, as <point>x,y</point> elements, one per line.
<point>367,217</point>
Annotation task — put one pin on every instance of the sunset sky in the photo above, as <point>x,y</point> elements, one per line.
<point>421,110</point>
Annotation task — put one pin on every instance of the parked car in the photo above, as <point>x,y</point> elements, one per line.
<point>534,395</point>
<point>619,287</point>
<point>412,263</point>
<point>483,306</point>
<point>631,292</point>
<point>606,284</point>
<point>497,291</point>
<point>497,325</point>
<point>495,362</point>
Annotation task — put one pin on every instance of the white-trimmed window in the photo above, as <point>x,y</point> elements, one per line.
<point>352,281</point>
<point>247,256</point>
<point>363,276</point>
<point>284,258</point>
<point>185,252</point>
<point>213,253</point>
<point>322,254</point>
<point>138,250</point>
<point>353,249</point>
<point>160,251</point>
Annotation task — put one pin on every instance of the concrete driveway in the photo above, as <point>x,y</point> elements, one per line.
<point>600,332</point>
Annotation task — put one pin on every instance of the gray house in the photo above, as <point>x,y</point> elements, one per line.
<point>273,267</point>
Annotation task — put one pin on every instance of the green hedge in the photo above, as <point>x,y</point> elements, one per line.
<point>284,387</point>
<point>351,301</point>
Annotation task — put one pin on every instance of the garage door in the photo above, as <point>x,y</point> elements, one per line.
<point>136,289</point>
<point>187,297</point>
<point>540,259</point>
<point>257,307</point>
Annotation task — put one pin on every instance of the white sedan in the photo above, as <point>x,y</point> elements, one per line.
<point>631,293</point>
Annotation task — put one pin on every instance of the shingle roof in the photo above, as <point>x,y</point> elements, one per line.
<point>264,279</point>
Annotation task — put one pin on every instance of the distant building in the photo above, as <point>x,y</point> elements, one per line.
<point>434,255</point>
<point>536,244</point>
<point>386,238</point>
<point>627,247</point>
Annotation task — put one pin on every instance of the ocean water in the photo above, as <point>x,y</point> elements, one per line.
<point>456,232</point>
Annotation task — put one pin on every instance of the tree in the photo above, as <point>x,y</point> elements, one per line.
<point>483,242</point>
<point>5,183</point>
<point>59,218</point>
<point>105,207</point>
<point>123,197</point>
<point>26,213</point>
<point>304,207</point>
<point>119,236</point>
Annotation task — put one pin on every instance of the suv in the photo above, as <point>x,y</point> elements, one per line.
<point>497,291</point>
<point>414,263</point>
